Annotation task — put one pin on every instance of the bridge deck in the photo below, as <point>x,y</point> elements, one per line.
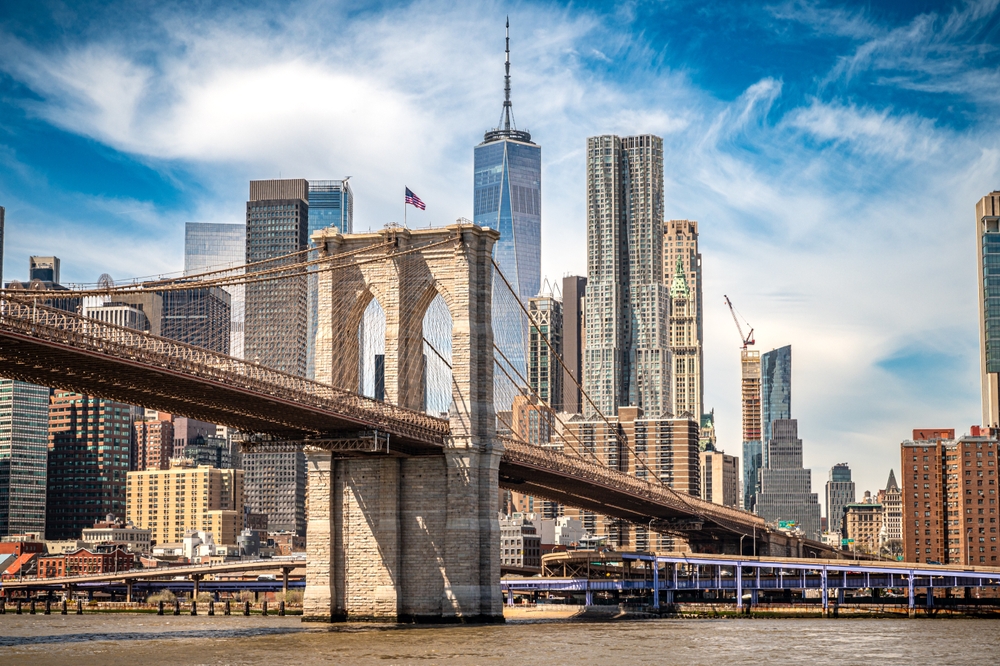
<point>62,350</point>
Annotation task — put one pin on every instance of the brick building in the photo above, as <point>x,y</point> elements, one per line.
<point>949,497</point>
<point>154,442</point>
<point>83,562</point>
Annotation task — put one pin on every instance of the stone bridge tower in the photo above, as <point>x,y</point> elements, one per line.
<point>408,538</point>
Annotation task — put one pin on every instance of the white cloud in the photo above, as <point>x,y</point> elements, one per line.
<point>869,131</point>
<point>838,227</point>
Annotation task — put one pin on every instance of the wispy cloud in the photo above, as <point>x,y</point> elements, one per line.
<point>839,221</point>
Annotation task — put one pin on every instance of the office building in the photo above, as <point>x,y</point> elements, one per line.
<point>210,247</point>
<point>839,493</point>
<point>891,499</point>
<point>753,447</point>
<point>685,347</point>
<point>647,448</point>
<point>520,542</point>
<point>113,532</point>
<point>24,449</point>
<point>186,497</point>
<point>863,525</point>
<point>199,317</point>
<point>775,389</point>
<point>626,361</point>
<point>574,291</point>
<point>680,243</point>
<point>720,478</point>
<point>276,487</point>
<point>275,321</point>
<point>331,204</point>
<point>276,335</point>
<point>154,442</point>
<point>89,449</point>
<point>39,270</point>
<point>534,422</point>
<point>85,562</point>
<point>507,196</point>
<point>949,496</point>
<point>45,269</point>
<point>545,345</point>
<point>988,278</point>
<point>211,451</point>
<point>785,486</point>
<point>706,435</point>
<point>118,314</point>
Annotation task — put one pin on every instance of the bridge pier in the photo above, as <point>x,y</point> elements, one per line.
<point>409,539</point>
<point>403,539</point>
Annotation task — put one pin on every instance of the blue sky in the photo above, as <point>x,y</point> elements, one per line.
<point>831,152</point>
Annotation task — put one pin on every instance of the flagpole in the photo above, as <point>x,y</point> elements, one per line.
<point>404,209</point>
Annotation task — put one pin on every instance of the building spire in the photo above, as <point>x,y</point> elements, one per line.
<point>506,80</point>
<point>679,286</point>
<point>507,128</point>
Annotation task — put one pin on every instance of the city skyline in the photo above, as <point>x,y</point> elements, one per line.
<point>881,347</point>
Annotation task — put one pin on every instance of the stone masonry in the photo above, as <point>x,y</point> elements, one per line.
<point>395,538</point>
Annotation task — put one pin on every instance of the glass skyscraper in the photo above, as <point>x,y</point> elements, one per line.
<point>988,262</point>
<point>508,198</point>
<point>209,246</point>
<point>24,450</point>
<point>775,389</point>
<point>331,204</point>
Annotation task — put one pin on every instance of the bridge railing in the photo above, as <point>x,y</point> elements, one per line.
<point>20,314</point>
<point>594,472</point>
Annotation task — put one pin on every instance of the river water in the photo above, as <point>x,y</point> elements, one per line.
<point>138,640</point>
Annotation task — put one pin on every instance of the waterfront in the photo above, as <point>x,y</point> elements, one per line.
<point>113,639</point>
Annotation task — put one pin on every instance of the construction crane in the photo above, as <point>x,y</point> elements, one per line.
<point>748,338</point>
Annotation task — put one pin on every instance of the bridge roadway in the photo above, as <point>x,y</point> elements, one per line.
<point>54,348</point>
<point>668,574</point>
<point>195,572</point>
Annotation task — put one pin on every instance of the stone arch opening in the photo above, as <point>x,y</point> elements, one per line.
<point>437,339</point>
<point>371,351</point>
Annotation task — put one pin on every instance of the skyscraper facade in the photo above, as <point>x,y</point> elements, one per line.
<point>685,347</point>
<point>275,324</point>
<point>24,448</point>
<point>988,259</point>
<point>276,335</point>
<point>331,204</point>
<point>210,246</point>
<point>680,242</point>
<point>544,344</point>
<point>507,196</point>
<point>89,449</point>
<point>775,389</point>
<point>752,433</point>
<point>574,291</point>
<point>785,486</point>
<point>891,499</point>
<point>627,357</point>
<point>839,493</point>
<point>2,222</point>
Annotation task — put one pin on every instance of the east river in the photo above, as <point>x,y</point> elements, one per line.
<point>136,640</point>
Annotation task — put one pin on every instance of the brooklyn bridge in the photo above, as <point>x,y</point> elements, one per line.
<point>402,503</point>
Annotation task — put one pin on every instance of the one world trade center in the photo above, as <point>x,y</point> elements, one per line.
<point>508,198</point>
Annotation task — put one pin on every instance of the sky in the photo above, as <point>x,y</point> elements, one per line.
<point>832,154</point>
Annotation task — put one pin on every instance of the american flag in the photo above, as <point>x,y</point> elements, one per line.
<point>414,200</point>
